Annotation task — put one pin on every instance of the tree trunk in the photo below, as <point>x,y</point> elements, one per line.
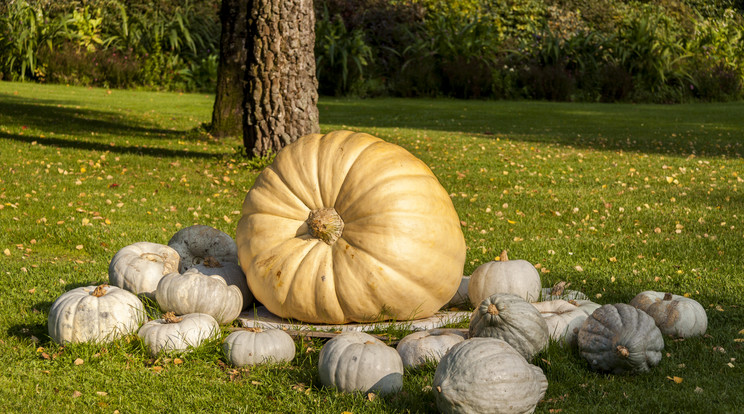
<point>227,116</point>
<point>281,91</point>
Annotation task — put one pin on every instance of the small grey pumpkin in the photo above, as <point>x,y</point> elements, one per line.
<point>419,347</point>
<point>356,361</point>
<point>487,375</point>
<point>199,243</point>
<point>195,292</point>
<point>619,338</point>
<point>511,318</point>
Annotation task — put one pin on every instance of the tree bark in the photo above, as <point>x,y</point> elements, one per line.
<point>281,91</point>
<point>227,116</point>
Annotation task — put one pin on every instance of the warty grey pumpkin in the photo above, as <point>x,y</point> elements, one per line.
<point>512,319</point>
<point>356,361</point>
<point>487,375</point>
<point>619,338</point>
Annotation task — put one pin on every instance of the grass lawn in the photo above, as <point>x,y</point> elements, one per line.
<point>615,199</point>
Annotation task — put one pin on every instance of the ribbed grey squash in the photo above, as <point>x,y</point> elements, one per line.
<point>512,319</point>
<point>356,361</point>
<point>195,292</point>
<point>619,338</point>
<point>487,375</point>
<point>139,267</point>
<point>199,243</point>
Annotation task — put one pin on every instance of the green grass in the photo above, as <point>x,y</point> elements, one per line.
<point>614,199</point>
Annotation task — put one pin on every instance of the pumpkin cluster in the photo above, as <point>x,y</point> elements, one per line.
<point>195,281</point>
<point>345,227</point>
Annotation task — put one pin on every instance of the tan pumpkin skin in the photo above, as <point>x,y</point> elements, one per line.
<point>399,254</point>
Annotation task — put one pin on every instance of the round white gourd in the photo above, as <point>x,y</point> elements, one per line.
<point>178,333</point>
<point>94,314</point>
<point>139,267</point>
<point>517,277</point>
<point>254,346</point>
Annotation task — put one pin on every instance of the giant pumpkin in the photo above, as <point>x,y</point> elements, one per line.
<point>347,227</point>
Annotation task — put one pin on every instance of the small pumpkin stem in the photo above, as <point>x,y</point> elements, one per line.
<point>99,290</point>
<point>493,310</point>
<point>325,224</point>
<point>559,288</point>
<point>369,343</point>
<point>667,296</point>
<point>573,302</point>
<point>254,329</point>
<point>211,262</point>
<point>623,351</point>
<point>170,317</point>
<point>503,257</point>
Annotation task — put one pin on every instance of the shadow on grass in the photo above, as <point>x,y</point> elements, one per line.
<point>62,118</point>
<point>680,130</point>
<point>99,146</point>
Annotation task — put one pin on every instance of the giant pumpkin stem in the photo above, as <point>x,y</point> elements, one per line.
<point>99,291</point>
<point>325,224</point>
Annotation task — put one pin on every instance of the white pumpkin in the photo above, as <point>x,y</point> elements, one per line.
<point>199,243</point>
<point>487,375</point>
<point>422,346</point>
<point>563,319</point>
<point>233,275</point>
<point>517,277</point>
<point>254,346</point>
<point>94,314</point>
<point>139,267</point>
<point>178,333</point>
<point>675,315</point>
<point>195,292</point>
<point>356,361</point>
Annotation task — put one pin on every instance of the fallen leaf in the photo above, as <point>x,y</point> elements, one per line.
<point>79,362</point>
<point>677,380</point>
<point>371,396</point>
<point>157,368</point>
<point>178,361</point>
<point>76,394</point>
<point>579,268</point>
<point>256,382</point>
<point>6,252</point>
<point>102,393</point>
<point>79,247</point>
<point>698,390</point>
<point>741,332</point>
